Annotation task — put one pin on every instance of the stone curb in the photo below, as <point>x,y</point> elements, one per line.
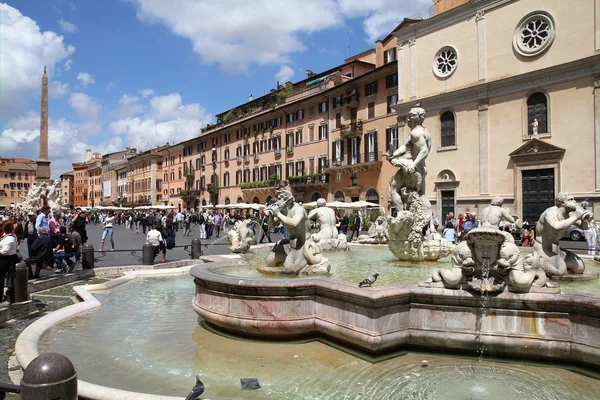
<point>26,347</point>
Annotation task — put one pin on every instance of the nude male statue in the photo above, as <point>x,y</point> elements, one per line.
<point>325,217</point>
<point>550,228</point>
<point>495,213</point>
<point>293,217</point>
<point>410,159</point>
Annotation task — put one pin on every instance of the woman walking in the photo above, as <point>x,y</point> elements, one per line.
<point>108,231</point>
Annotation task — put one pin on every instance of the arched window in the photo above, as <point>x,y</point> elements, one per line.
<point>227,201</point>
<point>537,109</point>
<point>372,196</point>
<point>255,200</point>
<point>448,137</point>
<point>240,200</point>
<point>339,196</point>
<point>269,199</point>
<point>203,202</point>
<point>316,196</point>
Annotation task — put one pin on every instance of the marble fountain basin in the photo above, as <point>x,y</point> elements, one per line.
<point>387,317</point>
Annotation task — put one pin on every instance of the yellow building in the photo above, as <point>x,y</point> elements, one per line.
<point>68,188</point>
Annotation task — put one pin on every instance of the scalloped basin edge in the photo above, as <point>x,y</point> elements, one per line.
<point>561,327</point>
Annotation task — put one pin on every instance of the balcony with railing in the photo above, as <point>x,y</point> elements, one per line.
<point>309,180</point>
<point>247,158</point>
<point>290,149</point>
<point>267,185</point>
<point>188,171</point>
<point>357,161</point>
<point>239,159</point>
<point>256,156</point>
<point>351,130</point>
<point>277,152</point>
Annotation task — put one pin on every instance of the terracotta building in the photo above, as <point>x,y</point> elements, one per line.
<point>81,185</point>
<point>68,187</point>
<point>16,176</point>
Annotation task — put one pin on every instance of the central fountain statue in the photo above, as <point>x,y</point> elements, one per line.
<point>300,254</point>
<point>41,194</point>
<point>407,192</point>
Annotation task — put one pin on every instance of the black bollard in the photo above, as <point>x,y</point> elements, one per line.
<point>19,289</point>
<point>196,248</point>
<point>148,254</point>
<point>87,256</point>
<point>49,376</point>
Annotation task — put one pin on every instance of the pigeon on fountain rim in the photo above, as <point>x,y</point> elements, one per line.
<point>368,281</point>
<point>197,390</point>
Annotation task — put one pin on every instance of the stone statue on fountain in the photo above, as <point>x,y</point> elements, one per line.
<point>300,254</point>
<point>377,234</point>
<point>327,238</point>
<point>407,193</point>
<point>550,229</point>
<point>41,194</point>
<point>494,214</point>
<point>241,237</point>
<point>487,261</point>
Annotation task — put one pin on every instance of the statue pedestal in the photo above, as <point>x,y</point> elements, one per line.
<point>333,244</point>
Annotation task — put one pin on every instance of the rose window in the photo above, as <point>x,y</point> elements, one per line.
<point>534,34</point>
<point>445,62</point>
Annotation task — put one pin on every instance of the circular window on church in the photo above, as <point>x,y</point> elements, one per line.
<point>445,62</point>
<point>534,34</point>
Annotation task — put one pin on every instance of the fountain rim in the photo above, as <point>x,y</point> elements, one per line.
<point>27,344</point>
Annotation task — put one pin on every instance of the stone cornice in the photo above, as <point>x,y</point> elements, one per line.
<point>582,68</point>
<point>450,17</point>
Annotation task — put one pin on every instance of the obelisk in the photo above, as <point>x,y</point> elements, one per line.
<point>43,163</point>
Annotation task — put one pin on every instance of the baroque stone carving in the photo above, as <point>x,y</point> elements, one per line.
<point>42,194</point>
<point>378,232</point>
<point>407,192</point>
<point>327,238</point>
<point>550,228</point>
<point>300,254</point>
<point>486,261</point>
<point>241,237</point>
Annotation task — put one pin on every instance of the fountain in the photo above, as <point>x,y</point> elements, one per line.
<point>377,234</point>
<point>40,194</point>
<point>241,237</point>
<point>407,193</point>
<point>327,238</point>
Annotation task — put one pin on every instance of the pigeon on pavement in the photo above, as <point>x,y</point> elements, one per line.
<point>197,390</point>
<point>368,281</point>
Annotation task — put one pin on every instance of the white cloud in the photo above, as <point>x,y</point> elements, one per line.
<point>86,107</point>
<point>167,120</point>
<point>67,141</point>
<point>67,26</point>
<point>238,35</point>
<point>146,92</point>
<point>68,64</point>
<point>85,79</point>
<point>381,16</point>
<point>24,52</point>
<point>57,89</point>
<point>262,32</point>
<point>128,107</point>
<point>284,74</point>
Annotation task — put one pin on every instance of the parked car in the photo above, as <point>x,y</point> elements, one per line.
<point>574,233</point>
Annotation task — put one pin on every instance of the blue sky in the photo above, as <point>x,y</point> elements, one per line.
<point>145,72</point>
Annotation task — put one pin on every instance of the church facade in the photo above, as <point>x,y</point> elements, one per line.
<point>512,94</point>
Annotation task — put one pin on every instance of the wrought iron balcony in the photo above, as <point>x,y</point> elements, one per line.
<point>360,160</point>
<point>354,129</point>
<point>256,156</point>
<point>290,149</point>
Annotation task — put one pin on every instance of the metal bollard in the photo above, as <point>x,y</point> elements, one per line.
<point>20,290</point>
<point>87,256</point>
<point>196,248</point>
<point>49,376</point>
<point>148,254</point>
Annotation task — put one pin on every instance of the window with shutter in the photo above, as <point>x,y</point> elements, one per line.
<point>371,110</point>
<point>448,137</point>
<point>537,108</point>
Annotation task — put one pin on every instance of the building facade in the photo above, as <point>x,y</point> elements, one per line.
<point>68,188</point>
<point>505,89</point>
<point>16,177</point>
<point>81,185</point>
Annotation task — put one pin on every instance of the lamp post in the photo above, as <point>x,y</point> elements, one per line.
<point>215,191</point>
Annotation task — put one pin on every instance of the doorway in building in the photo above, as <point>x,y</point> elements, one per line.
<point>447,203</point>
<point>538,192</point>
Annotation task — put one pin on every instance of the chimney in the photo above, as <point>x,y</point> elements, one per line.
<point>309,73</point>
<point>88,154</point>
<point>250,98</point>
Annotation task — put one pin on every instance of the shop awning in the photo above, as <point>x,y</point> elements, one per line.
<point>317,80</point>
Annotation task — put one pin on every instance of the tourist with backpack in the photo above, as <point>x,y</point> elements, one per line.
<point>63,252</point>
